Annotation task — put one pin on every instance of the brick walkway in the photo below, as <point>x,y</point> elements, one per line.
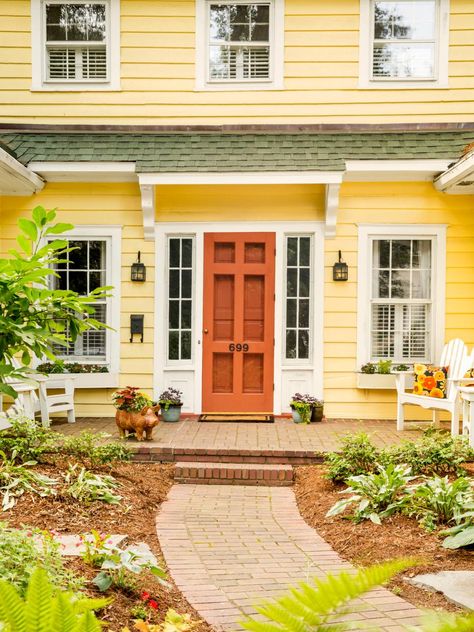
<point>281,435</point>
<point>228,547</point>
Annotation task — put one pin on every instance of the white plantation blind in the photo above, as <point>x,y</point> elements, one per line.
<point>239,42</point>
<point>401,306</point>
<point>76,41</point>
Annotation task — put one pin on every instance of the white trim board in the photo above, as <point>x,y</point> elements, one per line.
<point>15,178</point>
<point>192,370</point>
<point>85,171</point>
<point>243,177</point>
<point>394,170</point>
<point>458,179</point>
<point>437,232</point>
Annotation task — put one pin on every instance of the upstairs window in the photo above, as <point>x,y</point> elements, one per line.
<point>76,41</point>
<point>75,44</point>
<point>404,41</point>
<point>239,45</point>
<point>239,42</point>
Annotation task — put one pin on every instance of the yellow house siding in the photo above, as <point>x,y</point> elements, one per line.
<point>391,203</point>
<point>321,69</point>
<point>106,204</point>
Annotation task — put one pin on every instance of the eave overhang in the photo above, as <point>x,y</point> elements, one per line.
<point>15,178</point>
<point>458,179</point>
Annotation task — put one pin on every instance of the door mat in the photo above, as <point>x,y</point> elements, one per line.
<point>238,417</point>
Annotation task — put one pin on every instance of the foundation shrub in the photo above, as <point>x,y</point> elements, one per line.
<point>92,449</point>
<point>358,455</point>
<point>27,440</point>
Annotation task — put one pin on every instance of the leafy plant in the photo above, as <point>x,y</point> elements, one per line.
<point>27,440</point>
<point>369,368</point>
<point>93,449</point>
<point>131,399</point>
<point>21,550</point>
<point>170,397</point>
<point>435,453</point>
<point>377,495</point>
<point>304,411</point>
<point>358,455</point>
<point>45,609</point>
<point>438,501</point>
<point>462,534</point>
<point>174,622</point>
<point>118,569</point>
<point>402,367</point>
<point>433,621</point>
<point>320,604</point>
<point>87,487</point>
<point>15,480</point>
<point>96,547</point>
<point>139,612</point>
<point>70,367</point>
<point>34,317</point>
<point>384,366</point>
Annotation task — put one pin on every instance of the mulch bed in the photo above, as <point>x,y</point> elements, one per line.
<point>143,488</point>
<point>367,543</point>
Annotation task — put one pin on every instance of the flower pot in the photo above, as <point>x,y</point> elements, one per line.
<point>317,413</point>
<point>172,414</point>
<point>296,416</point>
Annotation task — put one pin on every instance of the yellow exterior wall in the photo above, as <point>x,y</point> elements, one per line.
<point>158,73</point>
<point>402,202</point>
<point>92,204</point>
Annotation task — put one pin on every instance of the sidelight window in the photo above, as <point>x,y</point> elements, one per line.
<point>298,298</point>
<point>180,297</point>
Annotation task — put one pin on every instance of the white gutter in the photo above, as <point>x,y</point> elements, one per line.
<point>15,178</point>
<point>459,178</point>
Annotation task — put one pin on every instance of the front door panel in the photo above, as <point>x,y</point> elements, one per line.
<point>238,324</point>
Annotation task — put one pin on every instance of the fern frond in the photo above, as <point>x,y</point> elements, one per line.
<point>12,610</point>
<point>87,623</point>
<point>82,606</point>
<point>38,602</point>
<point>446,622</point>
<point>63,618</point>
<point>310,607</point>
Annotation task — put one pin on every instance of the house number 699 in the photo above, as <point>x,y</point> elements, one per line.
<point>238,347</point>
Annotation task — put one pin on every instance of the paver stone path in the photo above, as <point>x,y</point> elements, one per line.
<point>227,547</point>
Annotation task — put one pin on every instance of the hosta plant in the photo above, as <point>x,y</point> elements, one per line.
<point>462,534</point>
<point>377,495</point>
<point>21,550</point>
<point>96,547</point>
<point>15,480</point>
<point>439,501</point>
<point>45,609</point>
<point>119,568</point>
<point>87,487</point>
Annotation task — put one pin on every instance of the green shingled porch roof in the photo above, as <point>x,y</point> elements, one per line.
<point>209,152</point>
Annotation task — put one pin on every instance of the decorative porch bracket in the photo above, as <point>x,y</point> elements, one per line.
<point>148,210</point>
<point>331,207</point>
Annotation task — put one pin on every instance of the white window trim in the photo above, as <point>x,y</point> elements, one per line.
<point>441,79</point>
<point>189,362</point>
<point>113,234</point>
<point>276,52</point>
<point>38,58</point>
<point>367,232</point>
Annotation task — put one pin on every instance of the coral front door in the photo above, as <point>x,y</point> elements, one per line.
<point>238,323</point>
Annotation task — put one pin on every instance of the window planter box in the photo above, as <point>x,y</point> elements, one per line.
<point>379,381</point>
<point>90,380</point>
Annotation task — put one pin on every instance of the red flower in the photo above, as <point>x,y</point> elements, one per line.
<point>153,604</point>
<point>145,596</point>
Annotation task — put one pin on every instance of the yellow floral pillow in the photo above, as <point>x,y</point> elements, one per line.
<point>430,381</point>
<point>469,373</point>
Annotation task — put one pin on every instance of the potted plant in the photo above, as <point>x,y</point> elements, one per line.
<point>306,408</point>
<point>171,403</point>
<point>136,412</point>
<point>379,375</point>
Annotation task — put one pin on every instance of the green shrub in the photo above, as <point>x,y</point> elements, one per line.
<point>357,456</point>
<point>92,450</point>
<point>377,495</point>
<point>87,487</point>
<point>437,501</point>
<point>435,453</point>
<point>22,549</point>
<point>120,568</point>
<point>15,480</point>
<point>45,609</point>
<point>28,440</point>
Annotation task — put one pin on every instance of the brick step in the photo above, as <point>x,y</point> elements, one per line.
<point>275,475</point>
<point>145,453</point>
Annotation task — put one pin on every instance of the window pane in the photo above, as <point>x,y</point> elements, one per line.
<point>292,282</point>
<point>304,251</point>
<point>173,345</point>
<point>174,253</point>
<point>187,253</point>
<point>381,284</point>
<point>400,286</point>
<point>174,284</point>
<point>401,251</point>
<point>298,297</point>
<point>303,316</point>
<point>421,284</point>
<point>173,310</point>
<point>186,314</point>
<point>97,255</point>
<point>304,282</point>
<point>180,310</point>
<point>303,343</point>
<point>291,306</point>
<point>404,61</point>
<point>78,255</point>
<point>292,251</point>
<point>405,20</point>
<point>291,343</point>
<point>78,282</point>
<point>96,279</point>
<point>186,345</point>
<point>186,283</point>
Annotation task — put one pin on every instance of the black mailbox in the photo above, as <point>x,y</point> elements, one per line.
<point>136,326</point>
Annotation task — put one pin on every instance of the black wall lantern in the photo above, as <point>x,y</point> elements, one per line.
<point>136,326</point>
<point>340,270</point>
<point>138,272</point>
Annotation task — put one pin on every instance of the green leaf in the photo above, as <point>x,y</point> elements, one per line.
<point>25,244</point>
<point>39,216</point>
<point>29,228</point>
<point>8,390</point>
<point>58,228</point>
<point>11,608</point>
<point>463,538</point>
<point>38,602</point>
<point>103,581</point>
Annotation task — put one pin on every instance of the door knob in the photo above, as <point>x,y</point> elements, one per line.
<point>206,331</point>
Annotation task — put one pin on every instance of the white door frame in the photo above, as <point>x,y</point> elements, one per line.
<point>161,367</point>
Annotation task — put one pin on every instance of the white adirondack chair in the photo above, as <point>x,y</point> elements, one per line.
<point>454,356</point>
